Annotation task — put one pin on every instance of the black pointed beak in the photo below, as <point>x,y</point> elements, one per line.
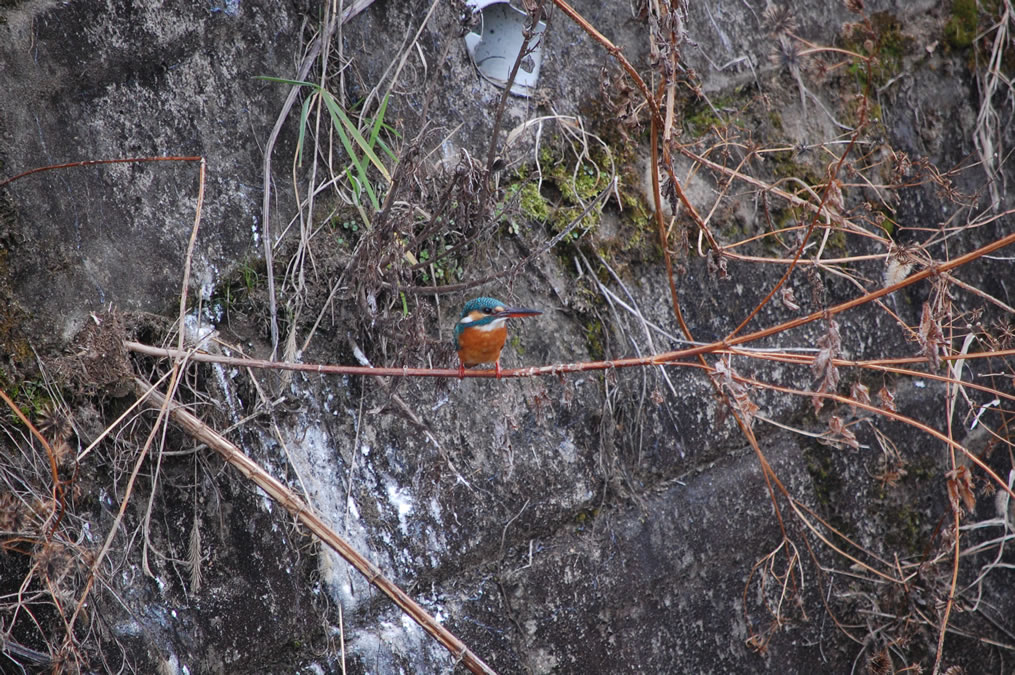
<point>514,312</point>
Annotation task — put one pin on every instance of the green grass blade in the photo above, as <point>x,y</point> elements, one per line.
<point>378,121</point>
<point>282,80</point>
<point>335,111</point>
<point>353,132</point>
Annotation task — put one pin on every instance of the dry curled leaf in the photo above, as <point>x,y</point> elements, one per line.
<point>960,490</point>
<point>890,476</point>
<point>788,299</point>
<point>931,337</point>
<point>739,393</point>
<point>834,198</point>
<point>887,398</point>
<point>716,265</point>
<point>859,393</point>
<point>817,287</point>
<point>840,433</point>
<point>829,345</point>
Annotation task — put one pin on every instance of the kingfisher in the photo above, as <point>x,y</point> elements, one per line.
<point>481,332</point>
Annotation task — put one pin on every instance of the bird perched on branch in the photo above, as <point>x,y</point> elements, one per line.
<point>481,332</point>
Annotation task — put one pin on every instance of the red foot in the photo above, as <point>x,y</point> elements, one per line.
<point>496,367</point>
<point>461,370</point>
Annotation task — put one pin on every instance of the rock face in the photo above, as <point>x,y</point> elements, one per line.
<point>96,82</point>
<point>601,521</point>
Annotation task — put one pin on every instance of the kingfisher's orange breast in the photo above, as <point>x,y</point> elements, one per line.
<point>477,346</point>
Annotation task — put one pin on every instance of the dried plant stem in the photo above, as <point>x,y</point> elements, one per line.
<point>306,515</point>
<point>898,417</point>
<point>96,162</point>
<point>308,62</point>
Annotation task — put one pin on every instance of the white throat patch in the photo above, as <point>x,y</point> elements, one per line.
<point>496,323</point>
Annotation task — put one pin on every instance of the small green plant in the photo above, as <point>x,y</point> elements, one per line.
<point>887,44</point>
<point>961,27</point>
<point>31,396</point>
<point>250,277</point>
<point>533,204</point>
<point>700,119</point>
<point>239,287</point>
<point>361,151</point>
<point>440,268</point>
<point>347,232</point>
